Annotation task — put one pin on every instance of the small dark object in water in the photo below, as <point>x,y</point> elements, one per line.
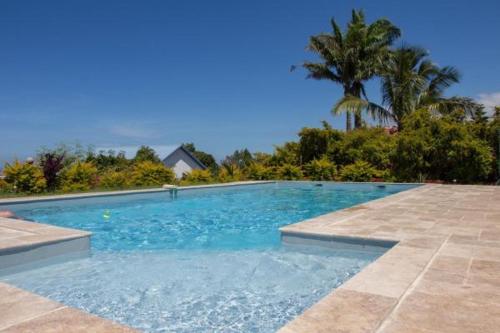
<point>318,185</point>
<point>381,186</point>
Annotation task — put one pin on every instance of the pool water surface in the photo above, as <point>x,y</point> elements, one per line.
<point>209,260</point>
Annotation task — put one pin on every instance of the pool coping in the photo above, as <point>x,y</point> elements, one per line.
<point>443,274</point>
<point>436,229</point>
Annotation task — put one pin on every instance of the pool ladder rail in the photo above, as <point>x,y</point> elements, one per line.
<point>172,189</point>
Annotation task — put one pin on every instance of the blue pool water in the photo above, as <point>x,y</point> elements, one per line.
<point>208,261</point>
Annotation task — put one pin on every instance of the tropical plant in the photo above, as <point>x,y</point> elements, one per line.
<point>52,163</point>
<point>320,169</point>
<point>289,172</point>
<point>359,171</point>
<point>148,173</point>
<point>257,171</point>
<point>410,81</point>
<point>440,148</point>
<point>288,153</point>
<point>316,142</point>
<point>80,176</point>
<point>114,179</point>
<point>24,177</point>
<point>241,158</point>
<point>352,57</point>
<point>4,186</point>
<point>198,177</point>
<point>372,145</point>
<point>105,160</point>
<point>145,153</point>
<point>229,172</point>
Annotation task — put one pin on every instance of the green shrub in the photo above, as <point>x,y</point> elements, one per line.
<point>257,171</point>
<point>4,187</point>
<point>442,148</point>
<point>316,142</point>
<point>230,173</point>
<point>80,176</point>
<point>148,173</point>
<point>320,169</point>
<point>197,177</point>
<point>24,177</point>
<point>115,179</point>
<point>289,172</point>
<point>359,171</point>
<point>372,145</point>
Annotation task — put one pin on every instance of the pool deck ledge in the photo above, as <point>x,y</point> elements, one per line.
<point>442,276</point>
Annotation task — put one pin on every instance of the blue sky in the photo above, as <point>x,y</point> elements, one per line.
<point>216,73</point>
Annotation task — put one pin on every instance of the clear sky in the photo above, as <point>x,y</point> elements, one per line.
<point>216,73</point>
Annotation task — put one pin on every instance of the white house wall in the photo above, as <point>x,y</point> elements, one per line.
<point>180,168</point>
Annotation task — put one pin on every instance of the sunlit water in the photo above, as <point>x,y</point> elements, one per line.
<point>208,261</point>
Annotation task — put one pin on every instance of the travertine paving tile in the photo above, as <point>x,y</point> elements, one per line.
<point>343,311</point>
<point>67,320</point>
<point>17,305</point>
<point>450,279</point>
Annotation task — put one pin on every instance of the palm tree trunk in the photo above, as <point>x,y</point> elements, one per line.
<point>358,122</point>
<point>348,121</point>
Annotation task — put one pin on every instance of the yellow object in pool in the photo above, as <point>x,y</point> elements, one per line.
<point>106,215</point>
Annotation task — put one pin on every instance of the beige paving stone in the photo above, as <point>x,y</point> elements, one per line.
<point>451,264</point>
<point>448,314</point>
<point>67,320</point>
<point>343,311</point>
<point>17,305</point>
<point>394,326</point>
<point>461,289</point>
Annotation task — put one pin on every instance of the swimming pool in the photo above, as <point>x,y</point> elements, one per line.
<point>209,260</point>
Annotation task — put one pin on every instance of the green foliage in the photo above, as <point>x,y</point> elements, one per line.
<point>289,172</point>
<point>80,176</point>
<point>110,160</point>
<point>71,152</point>
<point>289,153</point>
<point>4,186</point>
<point>197,177</point>
<point>372,145</point>
<point>257,171</point>
<point>148,173</point>
<point>359,171</point>
<point>112,179</point>
<point>316,142</point>
<point>230,173</point>
<point>207,159</point>
<point>350,58</point>
<point>440,148</point>
<point>321,169</point>
<point>145,153</point>
<point>24,177</point>
<point>241,158</point>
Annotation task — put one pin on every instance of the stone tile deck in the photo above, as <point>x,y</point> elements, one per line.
<point>442,276</point>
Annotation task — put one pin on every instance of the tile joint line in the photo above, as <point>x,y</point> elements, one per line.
<point>412,286</point>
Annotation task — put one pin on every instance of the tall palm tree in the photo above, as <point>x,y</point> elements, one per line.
<point>410,81</point>
<point>352,57</point>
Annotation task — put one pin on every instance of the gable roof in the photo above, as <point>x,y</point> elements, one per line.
<point>187,152</point>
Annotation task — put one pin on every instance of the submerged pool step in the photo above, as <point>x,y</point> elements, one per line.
<point>336,242</point>
<point>24,243</point>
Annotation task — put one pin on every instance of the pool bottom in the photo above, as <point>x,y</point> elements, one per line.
<point>197,291</point>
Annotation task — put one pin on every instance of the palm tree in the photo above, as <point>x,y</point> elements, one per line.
<point>410,81</point>
<point>352,57</point>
